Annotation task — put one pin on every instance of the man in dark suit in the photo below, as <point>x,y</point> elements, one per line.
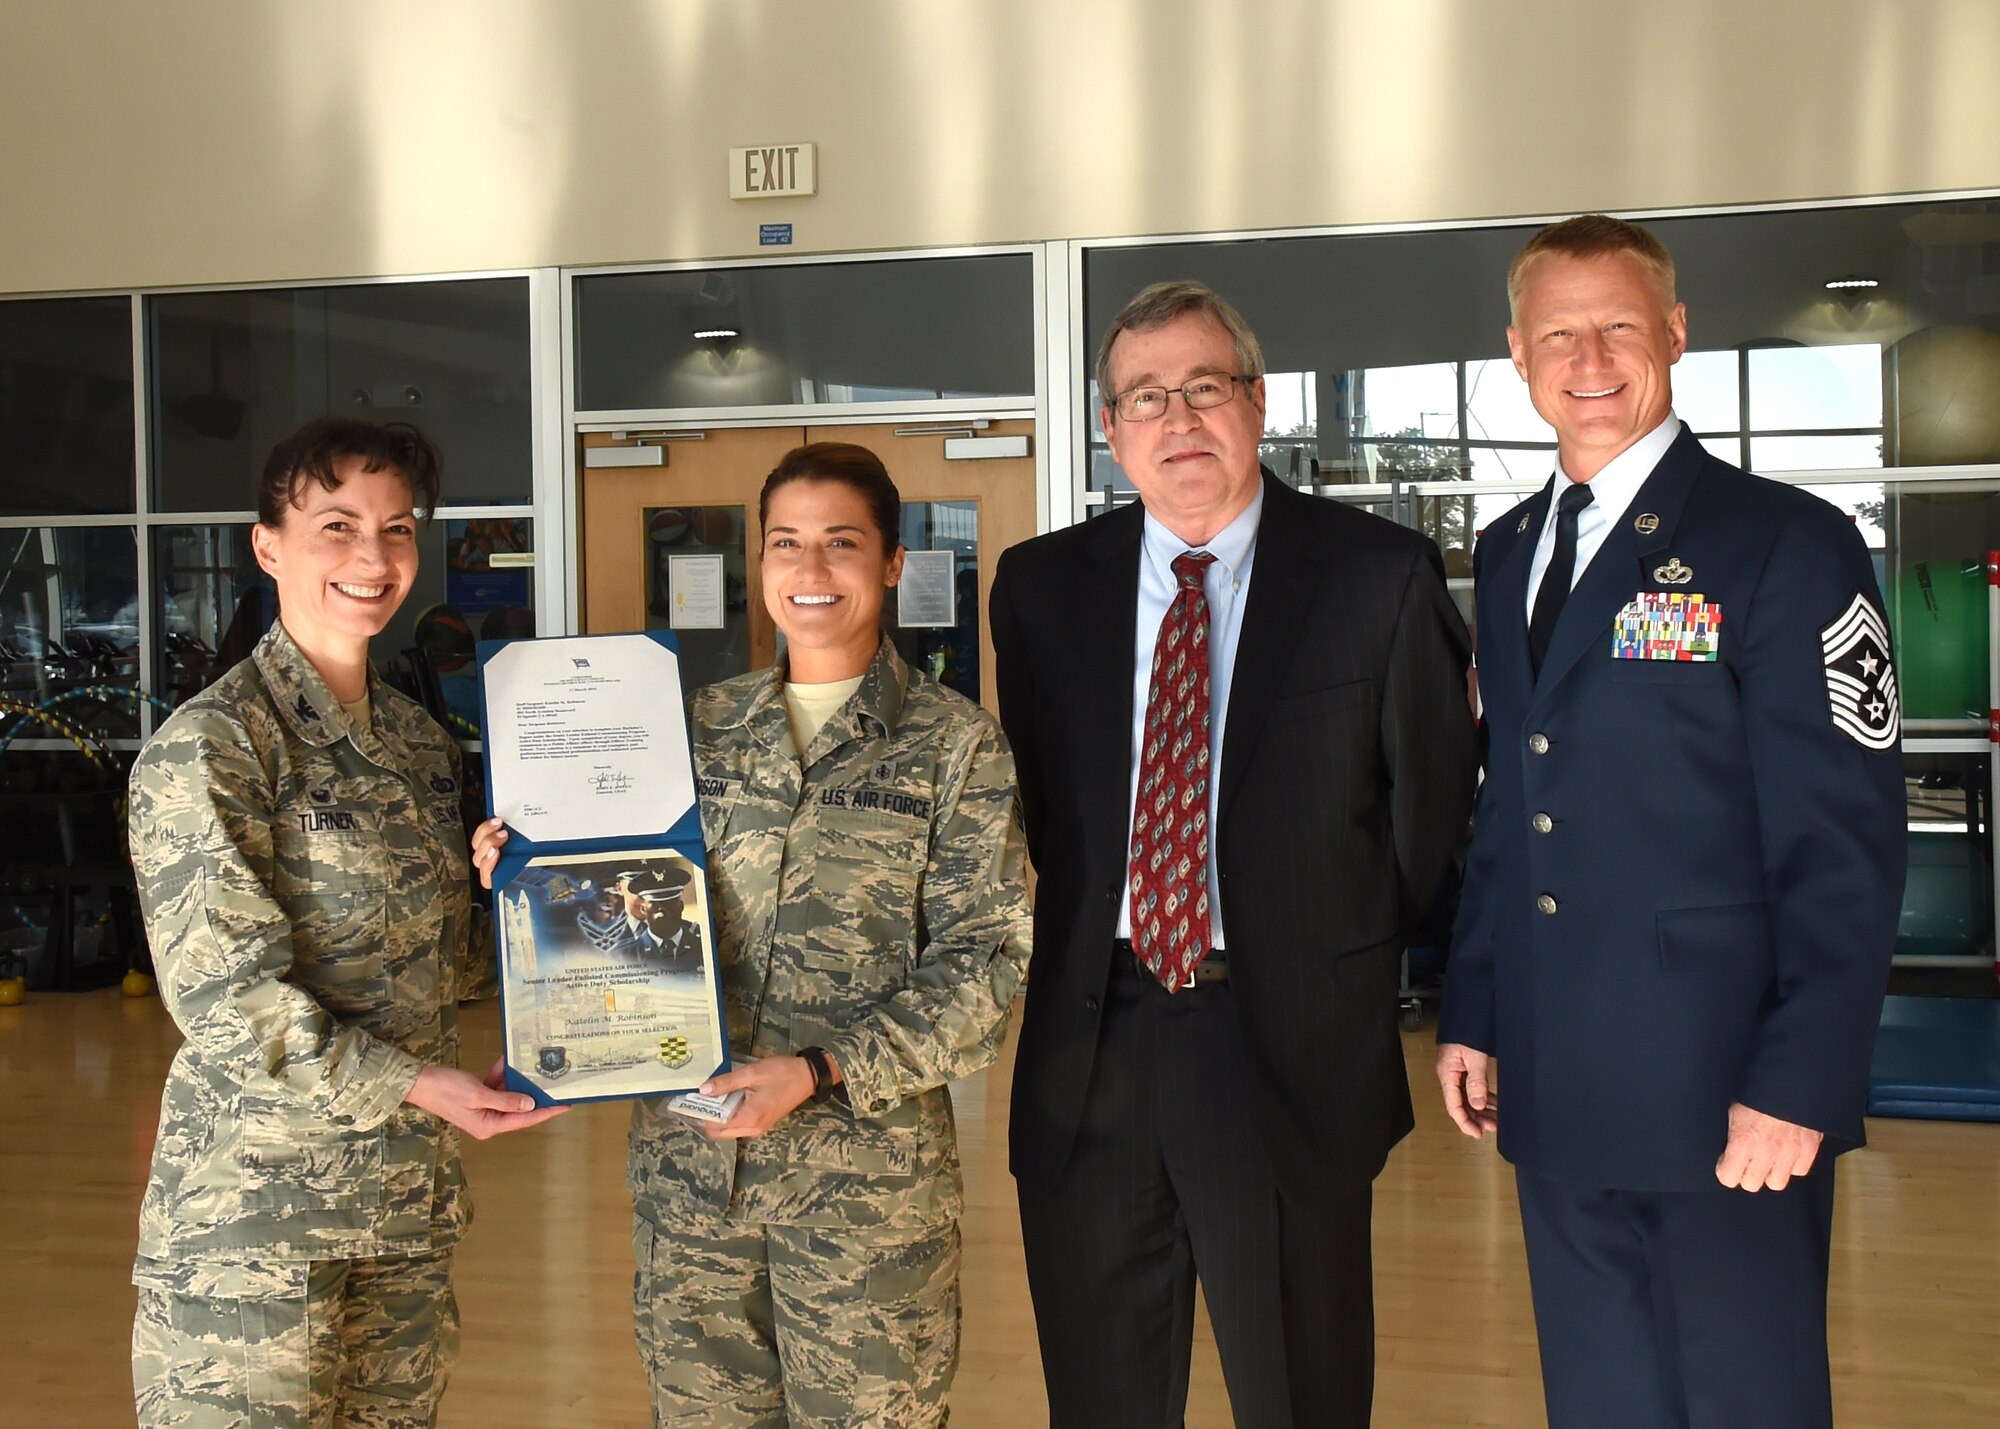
<point>1685,873</point>
<point>1209,1075</point>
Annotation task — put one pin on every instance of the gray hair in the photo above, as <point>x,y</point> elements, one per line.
<point>1155,306</point>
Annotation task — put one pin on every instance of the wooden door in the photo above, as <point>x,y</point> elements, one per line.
<point>701,499</point>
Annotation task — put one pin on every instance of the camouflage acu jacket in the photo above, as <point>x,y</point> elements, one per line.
<point>869,898</point>
<point>305,895</point>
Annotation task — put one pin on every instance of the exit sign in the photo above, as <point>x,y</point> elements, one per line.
<point>773,171</point>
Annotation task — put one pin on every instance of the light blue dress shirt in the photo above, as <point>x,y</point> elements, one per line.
<point>1227,586</point>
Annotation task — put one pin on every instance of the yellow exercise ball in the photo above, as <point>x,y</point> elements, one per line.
<point>136,984</point>
<point>13,991</point>
<point>1948,397</point>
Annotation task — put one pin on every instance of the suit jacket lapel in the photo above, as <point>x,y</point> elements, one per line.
<point>1617,570</point>
<point>1104,676</point>
<point>1502,642</point>
<point>1279,577</point>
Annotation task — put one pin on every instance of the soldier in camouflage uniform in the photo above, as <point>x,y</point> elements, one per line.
<point>301,865</point>
<point>868,882</point>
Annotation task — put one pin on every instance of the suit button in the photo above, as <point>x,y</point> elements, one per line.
<point>1547,903</point>
<point>1111,894</point>
<point>1543,823</point>
<point>1538,742</point>
<point>1090,1004</point>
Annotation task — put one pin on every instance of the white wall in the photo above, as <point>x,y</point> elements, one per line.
<point>232,140</point>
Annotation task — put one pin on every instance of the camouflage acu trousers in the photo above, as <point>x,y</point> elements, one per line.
<point>743,1325</point>
<point>295,1345</point>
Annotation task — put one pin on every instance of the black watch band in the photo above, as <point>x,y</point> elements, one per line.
<point>822,1070</point>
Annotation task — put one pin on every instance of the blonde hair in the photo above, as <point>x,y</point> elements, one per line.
<point>1591,235</point>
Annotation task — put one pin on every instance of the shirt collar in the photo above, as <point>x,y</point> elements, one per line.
<point>1613,488</point>
<point>1231,546</point>
<point>298,690</point>
<point>879,697</point>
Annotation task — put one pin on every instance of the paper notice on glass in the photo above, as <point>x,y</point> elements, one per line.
<point>609,980</point>
<point>694,592</point>
<point>928,593</point>
<point>586,738</point>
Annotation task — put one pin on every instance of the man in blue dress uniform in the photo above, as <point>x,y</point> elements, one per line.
<point>1686,868</point>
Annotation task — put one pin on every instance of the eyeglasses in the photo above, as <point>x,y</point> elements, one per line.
<point>1144,404</point>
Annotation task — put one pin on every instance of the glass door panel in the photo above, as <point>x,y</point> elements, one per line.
<point>935,617</point>
<point>698,586</point>
<point>1947,913</point>
<point>1933,542</point>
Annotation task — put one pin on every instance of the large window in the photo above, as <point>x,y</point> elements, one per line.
<point>474,582</point>
<point>127,581</point>
<point>66,431</point>
<point>69,621</point>
<point>802,334</point>
<point>1820,340</point>
<point>233,372</point>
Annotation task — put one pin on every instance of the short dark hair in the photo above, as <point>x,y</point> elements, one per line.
<point>311,451</point>
<point>852,466</point>
<point>1591,235</point>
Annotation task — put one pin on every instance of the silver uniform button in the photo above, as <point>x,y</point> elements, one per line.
<point>1543,823</point>
<point>1538,742</point>
<point>1547,903</point>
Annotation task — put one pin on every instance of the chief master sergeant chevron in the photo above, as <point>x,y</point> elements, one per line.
<point>1686,867</point>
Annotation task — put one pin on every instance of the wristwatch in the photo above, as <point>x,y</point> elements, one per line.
<point>822,1069</point>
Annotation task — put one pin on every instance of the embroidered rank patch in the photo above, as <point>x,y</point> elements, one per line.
<point>1668,625</point>
<point>1860,681</point>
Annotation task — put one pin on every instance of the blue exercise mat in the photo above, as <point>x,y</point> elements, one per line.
<point>1937,1058</point>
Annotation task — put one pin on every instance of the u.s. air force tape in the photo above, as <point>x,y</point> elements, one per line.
<point>1860,682</point>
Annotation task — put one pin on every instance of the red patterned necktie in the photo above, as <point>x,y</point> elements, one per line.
<point>1170,818</point>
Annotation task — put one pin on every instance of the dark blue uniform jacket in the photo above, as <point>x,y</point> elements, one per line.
<point>1724,845</point>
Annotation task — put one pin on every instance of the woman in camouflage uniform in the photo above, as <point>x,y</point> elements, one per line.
<point>301,866</point>
<point>868,878</point>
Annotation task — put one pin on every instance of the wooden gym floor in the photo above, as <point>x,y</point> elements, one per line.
<point>544,1281</point>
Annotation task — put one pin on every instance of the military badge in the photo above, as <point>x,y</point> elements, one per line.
<point>305,711</point>
<point>442,784</point>
<point>1860,681</point>
<point>321,796</point>
<point>553,1061</point>
<point>1647,523</point>
<point>1663,625</point>
<point>1673,573</point>
<point>675,1052</point>
<point>1522,527</point>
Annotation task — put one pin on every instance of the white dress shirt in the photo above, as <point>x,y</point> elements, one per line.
<point>1611,493</point>
<point>1226,583</point>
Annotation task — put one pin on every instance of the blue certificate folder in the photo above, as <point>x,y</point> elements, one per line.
<point>610,986</point>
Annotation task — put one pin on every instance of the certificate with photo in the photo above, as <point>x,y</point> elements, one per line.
<point>609,986</point>
<point>610,991</point>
